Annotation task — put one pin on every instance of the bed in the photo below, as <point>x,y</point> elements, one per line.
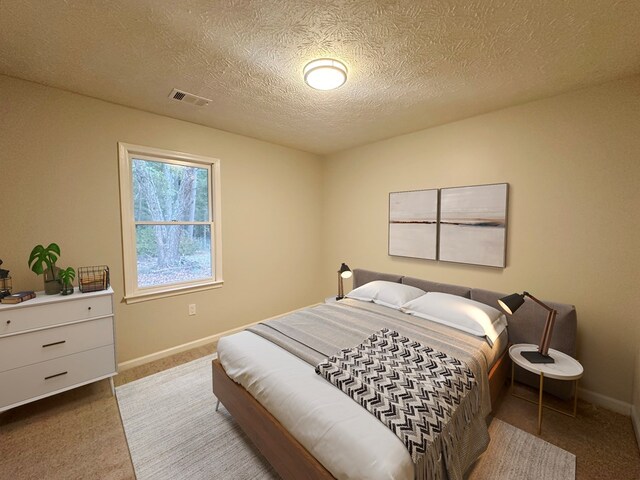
<point>305,426</point>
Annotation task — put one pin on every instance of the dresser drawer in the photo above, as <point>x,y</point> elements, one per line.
<point>36,380</point>
<point>27,317</point>
<point>42,345</point>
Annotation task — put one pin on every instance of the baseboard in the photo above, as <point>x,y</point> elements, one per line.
<point>136,362</point>
<point>604,401</point>
<point>635,419</point>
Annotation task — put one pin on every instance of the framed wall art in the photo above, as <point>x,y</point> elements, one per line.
<point>413,224</point>
<point>473,224</point>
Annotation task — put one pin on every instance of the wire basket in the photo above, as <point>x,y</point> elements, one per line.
<point>93,279</point>
<point>5,287</point>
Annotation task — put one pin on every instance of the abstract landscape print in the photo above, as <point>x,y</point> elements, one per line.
<point>413,224</point>
<point>473,224</point>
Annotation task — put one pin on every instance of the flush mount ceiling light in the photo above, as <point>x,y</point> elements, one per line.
<point>325,74</point>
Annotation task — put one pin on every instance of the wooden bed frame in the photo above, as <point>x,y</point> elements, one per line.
<point>287,456</point>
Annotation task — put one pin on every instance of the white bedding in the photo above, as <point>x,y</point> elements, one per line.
<point>328,423</point>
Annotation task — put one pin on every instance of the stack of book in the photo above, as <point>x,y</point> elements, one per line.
<point>19,297</point>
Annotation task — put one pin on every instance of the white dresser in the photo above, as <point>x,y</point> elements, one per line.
<point>53,343</point>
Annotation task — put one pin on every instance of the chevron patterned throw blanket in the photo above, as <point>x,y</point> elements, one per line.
<point>427,398</point>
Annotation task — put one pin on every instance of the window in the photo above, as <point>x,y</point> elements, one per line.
<point>170,205</point>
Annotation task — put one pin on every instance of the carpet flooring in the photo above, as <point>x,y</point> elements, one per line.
<point>173,432</point>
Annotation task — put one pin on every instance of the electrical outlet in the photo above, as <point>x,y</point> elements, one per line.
<point>192,309</point>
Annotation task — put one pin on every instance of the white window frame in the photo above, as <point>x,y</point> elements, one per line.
<point>127,152</point>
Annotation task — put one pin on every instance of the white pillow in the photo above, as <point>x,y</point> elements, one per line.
<point>459,312</point>
<point>389,294</point>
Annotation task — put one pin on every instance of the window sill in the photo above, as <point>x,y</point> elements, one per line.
<point>171,292</point>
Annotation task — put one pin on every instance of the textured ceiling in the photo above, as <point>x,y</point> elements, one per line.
<point>411,64</point>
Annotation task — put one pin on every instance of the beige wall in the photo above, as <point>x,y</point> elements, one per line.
<point>573,166</point>
<point>289,218</point>
<point>59,181</point>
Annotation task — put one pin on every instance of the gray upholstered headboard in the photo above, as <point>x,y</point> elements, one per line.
<point>360,277</point>
<point>525,326</point>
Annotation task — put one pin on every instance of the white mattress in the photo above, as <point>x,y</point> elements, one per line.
<point>328,423</point>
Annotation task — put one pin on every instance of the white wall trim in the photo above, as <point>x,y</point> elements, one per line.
<point>635,419</point>
<point>136,362</point>
<point>127,153</point>
<point>604,401</point>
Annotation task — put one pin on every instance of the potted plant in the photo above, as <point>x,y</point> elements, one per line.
<point>67,275</point>
<point>43,261</point>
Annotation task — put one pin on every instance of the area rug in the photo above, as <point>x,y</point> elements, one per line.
<point>174,432</point>
<point>514,454</point>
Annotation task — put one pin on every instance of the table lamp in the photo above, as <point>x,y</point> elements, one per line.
<point>511,303</point>
<point>343,272</point>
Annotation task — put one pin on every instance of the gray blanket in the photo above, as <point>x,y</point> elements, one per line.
<point>315,333</point>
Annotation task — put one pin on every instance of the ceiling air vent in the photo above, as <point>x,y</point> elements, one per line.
<point>190,98</point>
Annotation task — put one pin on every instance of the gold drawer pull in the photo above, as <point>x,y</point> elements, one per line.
<point>54,343</point>
<point>56,375</point>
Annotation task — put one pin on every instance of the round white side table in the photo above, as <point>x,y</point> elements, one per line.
<point>564,368</point>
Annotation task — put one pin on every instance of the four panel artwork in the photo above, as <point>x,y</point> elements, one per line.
<point>459,224</point>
